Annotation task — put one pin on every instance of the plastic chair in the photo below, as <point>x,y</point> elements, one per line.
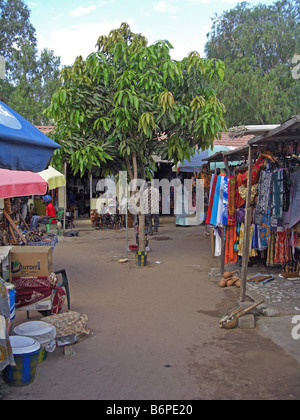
<point>65,284</point>
<point>58,218</point>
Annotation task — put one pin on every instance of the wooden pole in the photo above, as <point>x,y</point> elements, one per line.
<point>222,268</point>
<point>65,199</point>
<point>246,239</point>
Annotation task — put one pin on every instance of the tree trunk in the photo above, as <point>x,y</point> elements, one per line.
<point>142,242</point>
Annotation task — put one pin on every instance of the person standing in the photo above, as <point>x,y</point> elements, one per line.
<point>50,212</point>
<point>151,208</point>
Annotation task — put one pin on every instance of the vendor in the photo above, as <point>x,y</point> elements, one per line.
<point>50,212</point>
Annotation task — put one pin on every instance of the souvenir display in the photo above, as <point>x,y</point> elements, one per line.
<point>275,212</point>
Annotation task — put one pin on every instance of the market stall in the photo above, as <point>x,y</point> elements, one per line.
<point>23,148</point>
<point>254,209</point>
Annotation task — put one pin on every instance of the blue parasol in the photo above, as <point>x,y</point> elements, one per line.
<point>22,146</point>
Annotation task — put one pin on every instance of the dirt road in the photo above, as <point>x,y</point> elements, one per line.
<point>154,330</point>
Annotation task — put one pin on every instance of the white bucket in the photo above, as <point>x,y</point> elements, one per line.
<point>23,345</point>
<point>26,352</point>
<point>40,331</point>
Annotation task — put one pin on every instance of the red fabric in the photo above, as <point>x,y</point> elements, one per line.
<point>50,212</point>
<point>211,199</point>
<point>257,167</point>
<point>30,290</point>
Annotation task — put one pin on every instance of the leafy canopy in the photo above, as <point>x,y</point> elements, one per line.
<point>129,101</point>
<point>257,44</point>
<point>31,76</point>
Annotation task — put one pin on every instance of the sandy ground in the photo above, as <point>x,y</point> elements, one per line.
<point>154,330</point>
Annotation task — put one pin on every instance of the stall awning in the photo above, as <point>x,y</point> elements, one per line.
<point>22,146</point>
<point>199,159</point>
<point>54,178</point>
<point>21,183</point>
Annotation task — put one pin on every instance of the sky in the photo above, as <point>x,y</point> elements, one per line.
<point>71,27</point>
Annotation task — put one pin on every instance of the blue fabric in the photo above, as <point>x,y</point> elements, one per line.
<point>214,213</point>
<point>225,202</point>
<point>22,146</point>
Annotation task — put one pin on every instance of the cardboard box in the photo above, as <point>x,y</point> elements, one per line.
<point>31,261</point>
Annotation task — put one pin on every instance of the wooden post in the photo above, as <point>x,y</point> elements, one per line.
<point>246,239</point>
<point>222,268</point>
<point>15,227</point>
<point>65,199</point>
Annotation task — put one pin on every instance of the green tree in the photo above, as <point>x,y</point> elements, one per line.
<point>31,78</point>
<point>112,108</point>
<point>257,44</point>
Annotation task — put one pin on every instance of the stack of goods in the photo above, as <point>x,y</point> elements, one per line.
<point>230,278</point>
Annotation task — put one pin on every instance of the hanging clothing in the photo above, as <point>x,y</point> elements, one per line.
<point>231,201</point>
<point>225,202</point>
<point>220,203</point>
<point>231,256</point>
<point>214,180</point>
<point>218,242</point>
<point>266,227</point>
<point>262,205</point>
<point>278,191</point>
<point>271,249</point>
<point>282,248</point>
<point>216,199</point>
<point>257,167</point>
<point>294,211</point>
<point>252,252</point>
<point>239,200</point>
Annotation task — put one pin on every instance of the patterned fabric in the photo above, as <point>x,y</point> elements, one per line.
<point>278,192</point>
<point>6,356</point>
<point>282,249</point>
<point>263,198</point>
<point>295,199</point>
<point>225,202</point>
<point>257,167</point>
<point>243,192</point>
<point>266,227</point>
<point>231,201</point>
<point>216,200</point>
<point>69,323</point>
<point>30,290</point>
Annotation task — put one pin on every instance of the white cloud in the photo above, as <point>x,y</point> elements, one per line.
<point>77,40</point>
<point>80,11</point>
<point>165,7</point>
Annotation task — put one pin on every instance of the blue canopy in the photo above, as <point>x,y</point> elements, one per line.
<point>22,146</point>
<point>199,157</point>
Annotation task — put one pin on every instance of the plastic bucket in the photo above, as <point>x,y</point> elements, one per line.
<point>42,332</point>
<point>12,300</point>
<point>141,258</point>
<point>26,354</point>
